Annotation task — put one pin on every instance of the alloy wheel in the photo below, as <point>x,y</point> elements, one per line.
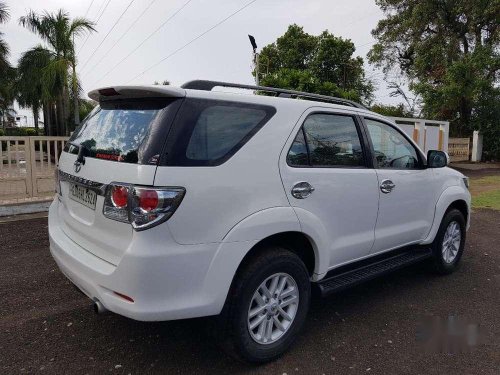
<point>273,308</point>
<point>451,242</point>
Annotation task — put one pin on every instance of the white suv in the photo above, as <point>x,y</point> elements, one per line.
<point>176,203</point>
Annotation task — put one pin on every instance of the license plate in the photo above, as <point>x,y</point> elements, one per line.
<point>83,195</point>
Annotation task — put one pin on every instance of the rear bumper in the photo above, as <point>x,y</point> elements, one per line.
<point>166,280</point>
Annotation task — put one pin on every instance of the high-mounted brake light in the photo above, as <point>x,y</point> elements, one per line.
<point>143,207</point>
<point>108,92</point>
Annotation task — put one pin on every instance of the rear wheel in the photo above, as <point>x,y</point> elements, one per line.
<point>266,306</point>
<point>449,243</point>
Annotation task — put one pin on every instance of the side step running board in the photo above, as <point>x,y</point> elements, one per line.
<point>347,279</point>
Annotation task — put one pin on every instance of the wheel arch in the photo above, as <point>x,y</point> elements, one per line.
<point>276,226</point>
<point>460,205</point>
<point>452,197</point>
<point>296,242</point>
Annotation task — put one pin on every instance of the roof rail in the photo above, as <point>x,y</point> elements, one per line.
<point>209,85</point>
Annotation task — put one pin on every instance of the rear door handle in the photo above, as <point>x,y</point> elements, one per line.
<point>387,186</point>
<point>302,190</point>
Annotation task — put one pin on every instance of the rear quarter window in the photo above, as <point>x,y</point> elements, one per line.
<point>209,132</point>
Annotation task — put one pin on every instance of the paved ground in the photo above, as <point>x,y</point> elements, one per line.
<point>46,326</point>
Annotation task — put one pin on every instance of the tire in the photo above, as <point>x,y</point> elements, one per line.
<point>232,327</point>
<point>446,259</point>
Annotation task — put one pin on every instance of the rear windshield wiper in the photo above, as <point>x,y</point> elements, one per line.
<point>82,151</point>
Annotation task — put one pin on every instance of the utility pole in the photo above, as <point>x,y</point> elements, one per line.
<point>255,58</point>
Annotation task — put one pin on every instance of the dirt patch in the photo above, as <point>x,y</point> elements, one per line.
<point>477,173</point>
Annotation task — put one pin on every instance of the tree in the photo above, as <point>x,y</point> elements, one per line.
<point>164,83</point>
<point>34,84</point>
<point>322,64</point>
<point>6,71</point>
<point>59,32</point>
<point>449,52</point>
<point>392,110</point>
<point>4,48</point>
<point>86,106</point>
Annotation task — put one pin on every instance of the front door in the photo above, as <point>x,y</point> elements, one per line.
<point>407,189</point>
<point>330,185</point>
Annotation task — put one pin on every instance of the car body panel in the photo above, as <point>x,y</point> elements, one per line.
<point>217,198</point>
<point>107,239</point>
<point>406,213</point>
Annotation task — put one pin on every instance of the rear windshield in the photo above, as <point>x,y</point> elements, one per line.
<point>119,131</point>
<point>209,132</point>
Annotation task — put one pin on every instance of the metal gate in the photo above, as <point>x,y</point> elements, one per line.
<point>27,166</point>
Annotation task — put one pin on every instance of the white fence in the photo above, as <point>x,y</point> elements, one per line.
<point>27,166</point>
<point>428,134</point>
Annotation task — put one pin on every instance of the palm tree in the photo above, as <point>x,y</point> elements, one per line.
<point>59,32</point>
<point>4,48</point>
<point>34,84</point>
<point>6,71</point>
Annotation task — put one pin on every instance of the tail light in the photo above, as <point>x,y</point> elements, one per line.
<point>142,207</point>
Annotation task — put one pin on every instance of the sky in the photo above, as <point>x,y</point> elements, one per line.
<point>143,41</point>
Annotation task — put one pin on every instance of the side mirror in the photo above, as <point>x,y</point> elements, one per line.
<point>437,159</point>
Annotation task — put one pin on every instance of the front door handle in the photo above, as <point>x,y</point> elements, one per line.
<point>387,186</point>
<point>302,190</point>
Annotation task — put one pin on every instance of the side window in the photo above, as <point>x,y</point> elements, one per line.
<point>297,156</point>
<point>209,132</point>
<point>219,128</point>
<point>392,149</point>
<point>332,141</point>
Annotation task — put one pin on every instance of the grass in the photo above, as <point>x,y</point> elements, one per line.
<point>487,180</point>
<point>490,199</point>
<point>486,192</point>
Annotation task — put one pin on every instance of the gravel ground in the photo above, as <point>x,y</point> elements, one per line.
<point>46,326</point>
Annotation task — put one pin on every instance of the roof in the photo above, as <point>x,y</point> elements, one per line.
<point>290,97</point>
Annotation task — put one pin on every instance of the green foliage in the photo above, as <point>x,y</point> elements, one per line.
<point>4,12</point>
<point>392,110</point>
<point>21,132</point>
<point>34,81</point>
<point>449,51</point>
<point>6,71</point>
<point>86,106</point>
<point>55,65</point>
<point>2,133</point>
<point>322,64</point>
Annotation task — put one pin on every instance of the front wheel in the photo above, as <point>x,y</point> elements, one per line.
<point>266,306</point>
<point>449,243</point>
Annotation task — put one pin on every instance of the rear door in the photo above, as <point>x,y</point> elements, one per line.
<point>328,179</point>
<point>120,141</point>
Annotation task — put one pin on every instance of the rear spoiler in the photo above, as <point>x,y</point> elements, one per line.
<point>131,92</point>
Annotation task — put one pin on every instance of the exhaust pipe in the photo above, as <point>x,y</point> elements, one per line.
<point>99,307</point>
